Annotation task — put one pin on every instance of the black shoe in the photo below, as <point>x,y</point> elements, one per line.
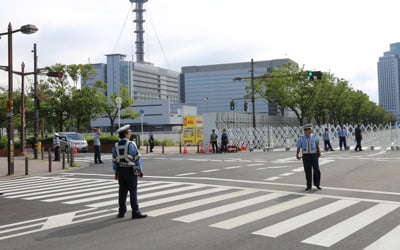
<point>120,215</point>
<point>139,216</point>
<point>319,187</point>
<point>308,189</point>
<point>1,193</point>
<point>101,162</point>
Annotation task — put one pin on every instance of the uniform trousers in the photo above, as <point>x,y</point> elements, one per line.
<point>127,183</point>
<point>97,154</point>
<point>310,163</point>
<point>342,142</point>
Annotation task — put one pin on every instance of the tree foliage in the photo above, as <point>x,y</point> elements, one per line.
<point>327,101</point>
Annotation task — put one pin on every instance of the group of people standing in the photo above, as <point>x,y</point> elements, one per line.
<point>214,141</point>
<point>342,135</point>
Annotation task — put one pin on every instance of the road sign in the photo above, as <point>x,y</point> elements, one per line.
<point>141,111</point>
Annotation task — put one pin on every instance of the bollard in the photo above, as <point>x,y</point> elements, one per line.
<point>72,159</point>
<point>67,156</point>
<point>63,160</point>
<point>147,149</point>
<point>180,148</point>
<point>26,165</point>
<point>43,153</point>
<point>49,160</point>
<point>198,148</point>
<point>162,149</point>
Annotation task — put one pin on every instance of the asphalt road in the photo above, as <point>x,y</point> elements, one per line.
<point>247,200</point>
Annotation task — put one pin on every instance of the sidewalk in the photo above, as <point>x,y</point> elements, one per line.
<point>35,166</point>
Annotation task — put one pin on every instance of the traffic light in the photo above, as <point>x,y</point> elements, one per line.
<point>246,106</point>
<point>232,104</point>
<point>55,74</point>
<point>314,74</point>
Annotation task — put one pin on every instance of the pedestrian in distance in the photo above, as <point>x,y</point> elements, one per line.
<point>214,141</point>
<point>224,141</point>
<point>151,141</point>
<point>342,134</point>
<point>309,146</point>
<point>56,146</point>
<point>327,140</point>
<point>96,146</point>
<point>358,135</point>
<point>127,164</point>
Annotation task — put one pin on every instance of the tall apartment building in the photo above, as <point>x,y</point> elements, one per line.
<point>389,80</point>
<point>211,87</point>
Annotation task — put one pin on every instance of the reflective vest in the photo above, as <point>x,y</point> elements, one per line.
<point>123,158</point>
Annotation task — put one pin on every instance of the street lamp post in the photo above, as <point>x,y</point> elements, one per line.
<point>26,29</point>
<point>252,93</point>
<point>22,140</point>
<point>253,106</point>
<point>118,101</point>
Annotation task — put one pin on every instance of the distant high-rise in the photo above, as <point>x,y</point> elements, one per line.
<point>389,80</point>
<point>139,9</point>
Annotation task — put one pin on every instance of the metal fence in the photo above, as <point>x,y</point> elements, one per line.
<point>269,137</point>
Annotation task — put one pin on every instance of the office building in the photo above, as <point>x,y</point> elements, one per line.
<point>389,80</point>
<point>211,87</point>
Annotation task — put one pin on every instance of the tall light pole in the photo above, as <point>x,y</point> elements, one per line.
<point>22,140</point>
<point>36,103</point>
<point>25,29</point>
<point>253,106</point>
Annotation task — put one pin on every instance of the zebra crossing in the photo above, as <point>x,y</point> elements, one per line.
<point>190,203</point>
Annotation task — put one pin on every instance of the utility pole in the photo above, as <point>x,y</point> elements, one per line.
<point>36,103</point>
<point>253,106</point>
<point>22,108</point>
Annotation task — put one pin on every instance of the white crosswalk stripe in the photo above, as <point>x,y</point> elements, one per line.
<point>191,202</point>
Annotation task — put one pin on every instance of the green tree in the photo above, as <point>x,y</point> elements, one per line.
<point>109,106</point>
<point>287,87</point>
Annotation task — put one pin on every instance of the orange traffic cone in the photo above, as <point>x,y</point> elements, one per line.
<point>201,149</point>
<point>185,150</point>
<point>210,150</point>
<point>75,150</point>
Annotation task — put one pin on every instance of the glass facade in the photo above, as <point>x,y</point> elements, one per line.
<point>211,87</point>
<point>389,80</point>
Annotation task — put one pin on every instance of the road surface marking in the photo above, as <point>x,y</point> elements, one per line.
<point>390,240</point>
<point>338,232</point>
<point>296,222</point>
<point>263,213</point>
<point>200,202</point>
<point>227,208</point>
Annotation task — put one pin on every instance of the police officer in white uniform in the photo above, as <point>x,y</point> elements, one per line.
<point>309,145</point>
<point>128,167</point>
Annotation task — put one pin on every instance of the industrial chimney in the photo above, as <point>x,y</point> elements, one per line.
<point>139,29</point>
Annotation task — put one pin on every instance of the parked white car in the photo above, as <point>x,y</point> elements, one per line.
<point>69,140</point>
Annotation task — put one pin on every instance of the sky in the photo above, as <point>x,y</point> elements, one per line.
<point>343,37</point>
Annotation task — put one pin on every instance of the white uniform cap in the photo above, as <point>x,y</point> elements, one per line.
<point>308,126</point>
<point>56,134</point>
<point>123,129</point>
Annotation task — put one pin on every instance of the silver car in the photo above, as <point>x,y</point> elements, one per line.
<point>69,140</point>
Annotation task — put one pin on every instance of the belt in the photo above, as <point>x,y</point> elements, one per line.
<point>125,165</point>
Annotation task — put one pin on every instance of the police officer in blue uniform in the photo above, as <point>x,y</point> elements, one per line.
<point>128,167</point>
<point>309,145</point>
